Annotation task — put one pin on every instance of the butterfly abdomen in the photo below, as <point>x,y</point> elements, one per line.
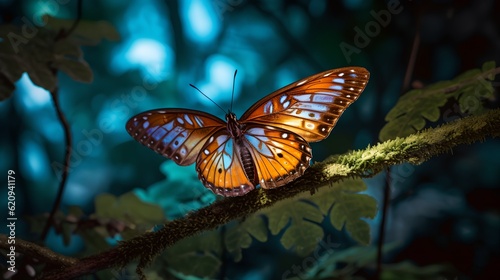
<point>248,165</point>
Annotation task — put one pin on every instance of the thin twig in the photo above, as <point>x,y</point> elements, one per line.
<point>65,171</point>
<point>78,18</point>
<point>387,185</point>
<point>67,135</point>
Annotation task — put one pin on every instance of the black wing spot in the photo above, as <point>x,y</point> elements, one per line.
<point>280,155</point>
<point>219,170</point>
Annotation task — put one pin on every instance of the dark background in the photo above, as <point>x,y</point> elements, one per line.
<point>443,211</point>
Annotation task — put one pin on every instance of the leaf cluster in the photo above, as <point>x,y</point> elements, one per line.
<point>416,107</point>
<point>42,51</point>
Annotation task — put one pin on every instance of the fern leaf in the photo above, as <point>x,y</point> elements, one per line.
<point>413,109</point>
<point>240,236</point>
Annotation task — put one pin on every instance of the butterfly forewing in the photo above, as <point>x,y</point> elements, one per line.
<point>178,134</point>
<point>280,156</point>
<point>310,107</point>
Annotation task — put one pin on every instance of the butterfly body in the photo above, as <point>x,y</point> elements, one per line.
<point>267,146</point>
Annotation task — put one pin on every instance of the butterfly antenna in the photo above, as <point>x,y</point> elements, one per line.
<point>193,86</point>
<point>232,94</point>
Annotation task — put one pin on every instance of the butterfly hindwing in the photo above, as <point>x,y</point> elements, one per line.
<point>178,134</point>
<point>279,156</point>
<point>275,157</point>
<point>310,107</point>
<point>220,167</point>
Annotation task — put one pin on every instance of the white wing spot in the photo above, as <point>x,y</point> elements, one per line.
<point>286,104</point>
<point>198,121</point>
<point>351,89</point>
<point>206,152</point>
<point>186,117</point>
<point>181,121</point>
<point>338,80</point>
<point>352,70</point>
<point>341,74</point>
<point>301,82</point>
<point>284,135</point>
<point>211,139</point>
<point>327,74</point>
<point>282,98</point>
<point>348,96</point>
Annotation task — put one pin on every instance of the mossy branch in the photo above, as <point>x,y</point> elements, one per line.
<point>414,149</point>
<point>36,251</point>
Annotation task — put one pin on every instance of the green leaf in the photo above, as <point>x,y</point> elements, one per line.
<point>67,48</point>
<point>296,213</point>
<point>209,241</point>
<point>130,209</point>
<point>90,31</point>
<point>348,208</point>
<point>325,202</point>
<point>78,70</point>
<point>240,236</point>
<point>413,109</point>
<point>94,241</point>
<point>489,66</point>
<point>205,265</point>
<point>302,237</point>
<point>202,249</point>
<point>39,55</point>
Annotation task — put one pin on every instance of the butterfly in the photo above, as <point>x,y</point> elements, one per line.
<point>267,146</point>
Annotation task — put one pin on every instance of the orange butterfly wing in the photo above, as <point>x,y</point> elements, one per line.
<point>310,107</point>
<point>178,134</point>
<point>268,156</point>
<point>280,156</point>
<point>220,168</point>
<point>302,112</point>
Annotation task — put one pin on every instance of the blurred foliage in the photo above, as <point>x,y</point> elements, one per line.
<point>40,51</point>
<point>410,113</point>
<point>297,221</point>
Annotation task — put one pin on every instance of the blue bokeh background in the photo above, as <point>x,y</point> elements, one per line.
<point>445,210</point>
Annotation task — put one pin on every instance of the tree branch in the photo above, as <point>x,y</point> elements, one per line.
<point>414,149</point>
<point>36,251</point>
